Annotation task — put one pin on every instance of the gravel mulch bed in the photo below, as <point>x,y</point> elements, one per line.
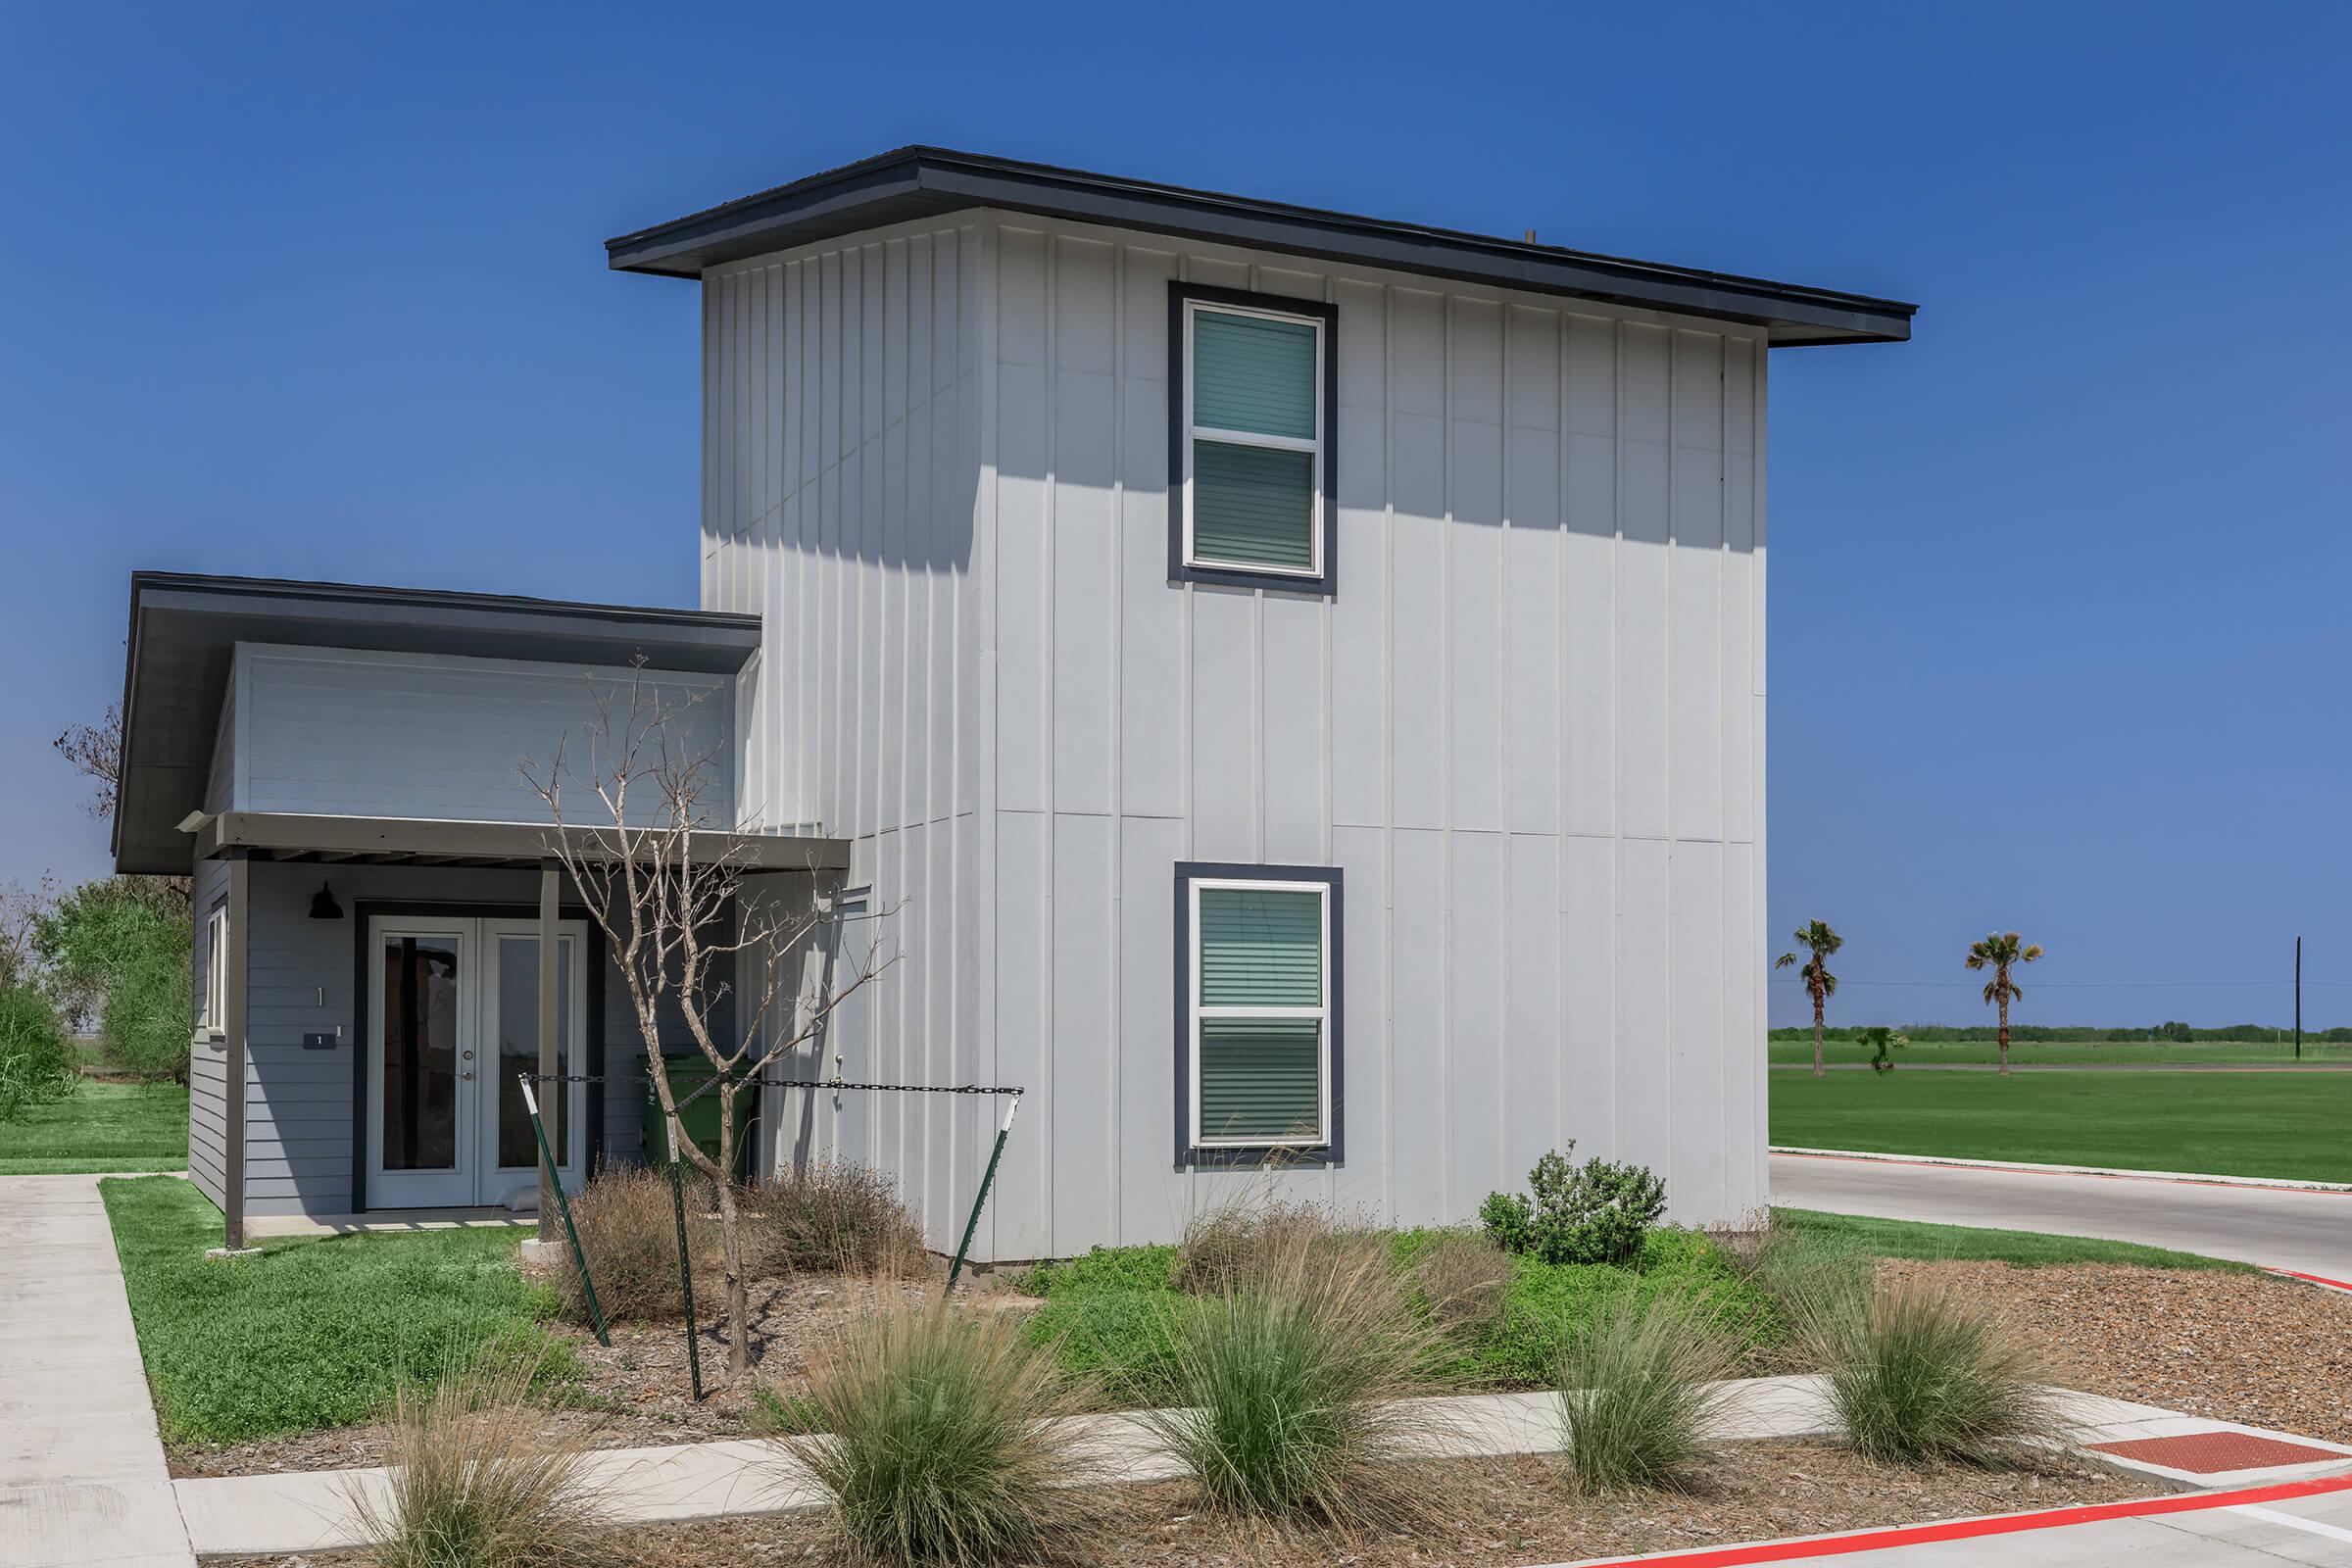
<point>1509,1512</point>
<point>638,1394</point>
<point>2246,1348</point>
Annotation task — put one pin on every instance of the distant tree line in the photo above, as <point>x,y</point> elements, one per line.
<point>2174,1032</point>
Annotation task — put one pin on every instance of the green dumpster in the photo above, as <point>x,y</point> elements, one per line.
<point>688,1072</point>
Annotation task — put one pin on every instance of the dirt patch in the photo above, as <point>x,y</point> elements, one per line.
<point>638,1393</point>
<point>1511,1512</point>
<point>2246,1348</point>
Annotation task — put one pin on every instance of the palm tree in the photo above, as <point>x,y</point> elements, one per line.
<point>1821,985</point>
<point>1997,952</point>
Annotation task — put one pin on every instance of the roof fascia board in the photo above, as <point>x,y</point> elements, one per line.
<point>301,833</point>
<point>952,181</point>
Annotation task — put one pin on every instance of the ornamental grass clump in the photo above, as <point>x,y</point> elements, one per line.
<point>1288,1389</point>
<point>1923,1374</point>
<point>834,1219</point>
<point>629,1226</point>
<point>938,1435</point>
<point>1640,1387</point>
<point>474,1480</point>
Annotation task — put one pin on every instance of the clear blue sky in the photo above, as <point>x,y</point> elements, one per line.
<point>2055,587</point>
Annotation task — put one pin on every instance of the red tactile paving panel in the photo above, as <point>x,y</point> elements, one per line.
<point>2209,1453</point>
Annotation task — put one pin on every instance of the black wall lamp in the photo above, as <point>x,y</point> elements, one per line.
<point>323,905</point>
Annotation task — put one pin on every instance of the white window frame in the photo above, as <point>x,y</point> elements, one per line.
<point>1198,1011</point>
<point>1194,432</point>
<point>215,971</point>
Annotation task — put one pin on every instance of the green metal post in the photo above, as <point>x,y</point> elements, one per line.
<point>677,1203</point>
<point>987,1180</point>
<point>596,1313</point>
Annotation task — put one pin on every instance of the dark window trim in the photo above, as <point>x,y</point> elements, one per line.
<point>1191,1156</point>
<point>361,910</point>
<point>1326,583</point>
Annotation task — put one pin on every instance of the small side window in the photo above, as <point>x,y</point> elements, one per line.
<point>216,971</point>
<point>1252,476</point>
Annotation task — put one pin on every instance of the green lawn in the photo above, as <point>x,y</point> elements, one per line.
<point>2067,1052</point>
<point>312,1333</point>
<point>1896,1238</point>
<point>101,1127</point>
<point>2252,1124</point>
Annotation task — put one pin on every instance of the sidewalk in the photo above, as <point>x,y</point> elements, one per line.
<point>238,1515</point>
<point>81,1470</point>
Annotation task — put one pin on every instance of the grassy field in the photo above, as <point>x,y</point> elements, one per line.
<point>312,1333</point>
<point>2259,1124</point>
<point>101,1127</point>
<point>2066,1053</point>
<point>1898,1238</point>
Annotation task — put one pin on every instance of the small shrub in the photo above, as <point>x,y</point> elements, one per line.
<point>1922,1374</point>
<point>1639,1386</point>
<point>1509,1220</point>
<point>1596,1213</point>
<point>1224,1248</point>
<point>473,1480</point>
<point>1461,1280</point>
<point>1288,1392</point>
<point>938,1442</point>
<point>627,1220</point>
<point>36,1060</point>
<point>832,1219</point>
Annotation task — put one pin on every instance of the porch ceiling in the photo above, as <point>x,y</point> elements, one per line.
<point>420,840</point>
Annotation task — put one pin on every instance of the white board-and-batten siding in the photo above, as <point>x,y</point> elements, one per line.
<point>354,732</point>
<point>1526,727</point>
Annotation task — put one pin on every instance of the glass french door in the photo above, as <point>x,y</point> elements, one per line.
<point>454,1020</point>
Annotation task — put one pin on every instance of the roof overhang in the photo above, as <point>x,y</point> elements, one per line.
<point>924,182</point>
<point>184,630</point>
<point>389,840</point>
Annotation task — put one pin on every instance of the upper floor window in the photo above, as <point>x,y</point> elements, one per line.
<point>1249,448</point>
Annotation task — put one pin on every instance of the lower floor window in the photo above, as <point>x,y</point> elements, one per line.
<point>1259,1031</point>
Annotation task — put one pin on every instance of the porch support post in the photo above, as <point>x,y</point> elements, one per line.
<point>559,1096</point>
<point>240,912</point>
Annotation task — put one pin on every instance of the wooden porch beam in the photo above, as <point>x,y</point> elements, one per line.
<point>552,1095</point>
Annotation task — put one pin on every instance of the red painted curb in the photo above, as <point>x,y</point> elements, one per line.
<point>2320,1280</point>
<point>2005,1524</point>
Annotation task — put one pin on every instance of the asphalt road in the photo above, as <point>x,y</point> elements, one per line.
<point>2309,1233</point>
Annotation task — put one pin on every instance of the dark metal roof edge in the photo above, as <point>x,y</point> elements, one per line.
<point>461,601</point>
<point>955,179</point>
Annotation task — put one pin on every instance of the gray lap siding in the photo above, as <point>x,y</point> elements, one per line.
<point>304,977</point>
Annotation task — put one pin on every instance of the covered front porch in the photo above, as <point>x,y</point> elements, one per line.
<point>387,943</point>
<point>399,980</point>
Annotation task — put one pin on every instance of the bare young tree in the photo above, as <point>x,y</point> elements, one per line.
<point>687,931</point>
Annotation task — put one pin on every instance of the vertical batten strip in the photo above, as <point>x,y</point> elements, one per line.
<point>1387,746</point>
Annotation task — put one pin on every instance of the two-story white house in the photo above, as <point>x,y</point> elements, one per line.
<point>1296,679</point>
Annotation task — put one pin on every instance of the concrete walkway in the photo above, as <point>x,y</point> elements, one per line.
<point>2305,1232</point>
<point>239,1515</point>
<point>314,1512</point>
<point>81,1470</point>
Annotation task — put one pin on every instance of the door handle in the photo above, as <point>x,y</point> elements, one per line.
<point>467,1076</point>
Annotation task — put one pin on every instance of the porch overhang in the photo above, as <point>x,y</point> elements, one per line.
<point>423,841</point>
